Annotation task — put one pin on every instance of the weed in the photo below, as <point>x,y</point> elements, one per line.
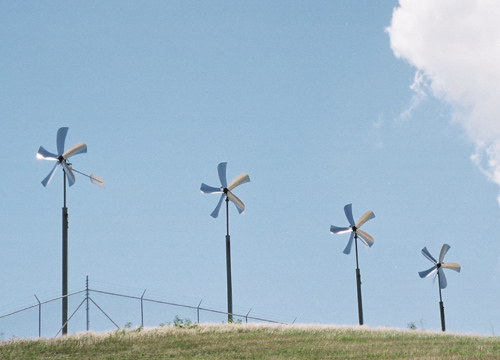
<point>184,323</point>
<point>139,328</point>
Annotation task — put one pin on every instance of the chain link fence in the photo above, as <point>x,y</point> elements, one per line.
<point>98,309</point>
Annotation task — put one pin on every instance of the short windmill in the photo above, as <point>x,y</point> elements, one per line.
<point>226,193</point>
<point>439,266</point>
<point>62,159</point>
<point>354,229</point>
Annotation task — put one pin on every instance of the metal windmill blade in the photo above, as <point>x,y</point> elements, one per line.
<point>439,265</point>
<point>354,228</point>
<point>61,157</point>
<point>225,189</point>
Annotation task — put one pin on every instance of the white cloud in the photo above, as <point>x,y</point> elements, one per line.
<point>455,47</point>
<point>419,94</point>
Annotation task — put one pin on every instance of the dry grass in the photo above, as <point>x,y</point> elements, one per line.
<point>240,341</point>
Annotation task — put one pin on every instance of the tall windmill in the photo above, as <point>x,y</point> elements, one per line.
<point>226,192</point>
<point>439,266</point>
<point>354,229</point>
<point>62,159</point>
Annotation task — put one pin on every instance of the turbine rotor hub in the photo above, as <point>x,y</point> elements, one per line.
<point>438,265</point>
<point>225,190</point>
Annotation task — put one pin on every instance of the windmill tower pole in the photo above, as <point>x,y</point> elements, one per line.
<point>228,266</point>
<point>225,191</point>
<point>62,159</point>
<point>358,281</point>
<point>438,266</point>
<point>441,306</point>
<point>65,262</point>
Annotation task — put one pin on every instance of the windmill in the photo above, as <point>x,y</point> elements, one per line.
<point>439,266</point>
<point>354,229</point>
<point>61,159</point>
<point>225,191</point>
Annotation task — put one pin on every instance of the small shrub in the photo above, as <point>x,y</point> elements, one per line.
<point>183,323</point>
<point>139,328</point>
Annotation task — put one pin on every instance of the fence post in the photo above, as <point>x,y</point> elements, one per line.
<point>142,308</point>
<point>246,317</point>
<point>39,317</point>
<point>198,311</point>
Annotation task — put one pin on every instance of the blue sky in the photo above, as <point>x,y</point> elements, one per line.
<point>318,102</point>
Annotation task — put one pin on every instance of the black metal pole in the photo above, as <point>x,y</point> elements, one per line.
<point>441,306</point>
<point>358,282</point>
<point>65,263</point>
<point>228,266</point>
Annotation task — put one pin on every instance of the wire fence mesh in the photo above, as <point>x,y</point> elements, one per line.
<point>102,308</point>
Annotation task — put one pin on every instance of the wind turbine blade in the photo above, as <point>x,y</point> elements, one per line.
<point>221,169</point>
<point>209,189</point>
<point>97,180</point>
<point>236,201</point>
<point>79,148</point>
<point>452,266</point>
<point>365,217</point>
<point>69,173</point>
<point>339,230</point>
<point>45,154</point>
<point>238,180</point>
<point>47,179</point>
<point>61,138</point>
<point>216,211</point>
<point>424,274</point>
<point>365,237</point>
<point>428,255</point>
<point>442,279</point>
<point>443,252</point>
<point>348,248</point>
<point>348,214</point>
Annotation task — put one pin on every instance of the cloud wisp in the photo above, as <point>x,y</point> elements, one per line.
<point>455,48</point>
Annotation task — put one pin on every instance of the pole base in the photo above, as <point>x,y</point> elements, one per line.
<point>360,301</point>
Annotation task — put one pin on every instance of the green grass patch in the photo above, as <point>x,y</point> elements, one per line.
<point>251,341</point>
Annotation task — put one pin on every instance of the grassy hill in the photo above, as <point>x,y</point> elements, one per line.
<point>255,341</point>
